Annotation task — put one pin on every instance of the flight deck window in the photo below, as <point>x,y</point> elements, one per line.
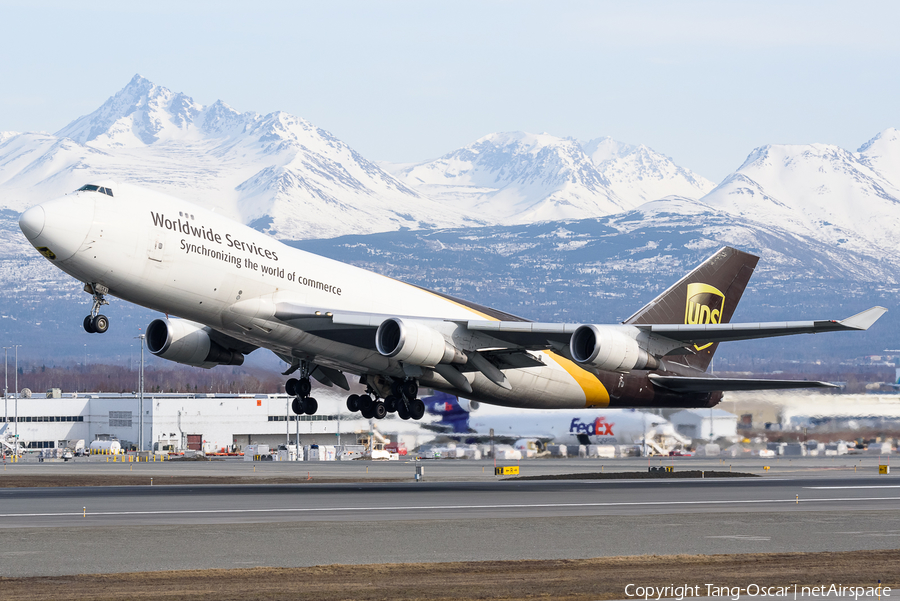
<point>93,188</point>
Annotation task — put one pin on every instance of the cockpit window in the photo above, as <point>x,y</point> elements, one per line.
<point>93,188</point>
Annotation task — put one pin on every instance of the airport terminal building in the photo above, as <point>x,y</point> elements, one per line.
<point>201,422</point>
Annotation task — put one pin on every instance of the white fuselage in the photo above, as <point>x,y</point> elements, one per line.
<point>574,427</point>
<point>178,258</point>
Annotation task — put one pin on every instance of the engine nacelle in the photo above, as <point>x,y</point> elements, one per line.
<point>415,343</point>
<point>609,349</point>
<point>189,343</point>
<point>469,406</point>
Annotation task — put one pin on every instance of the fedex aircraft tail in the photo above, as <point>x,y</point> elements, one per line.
<point>454,417</point>
<point>708,294</point>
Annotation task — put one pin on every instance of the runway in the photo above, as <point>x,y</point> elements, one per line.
<point>136,528</point>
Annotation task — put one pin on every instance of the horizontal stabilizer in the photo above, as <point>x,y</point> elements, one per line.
<point>687,384</point>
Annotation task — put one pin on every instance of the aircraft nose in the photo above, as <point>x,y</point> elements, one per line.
<point>58,228</point>
<point>31,222</point>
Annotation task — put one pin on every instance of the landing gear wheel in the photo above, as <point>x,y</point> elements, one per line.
<point>297,406</point>
<point>303,387</point>
<point>353,403</point>
<point>100,323</point>
<point>410,389</point>
<point>390,403</point>
<point>96,323</point>
<point>417,409</point>
<point>379,411</point>
<point>365,402</point>
<point>290,387</point>
<point>368,411</point>
<point>402,411</point>
<point>310,405</point>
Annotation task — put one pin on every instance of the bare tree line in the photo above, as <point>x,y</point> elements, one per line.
<point>183,379</point>
<point>118,378</point>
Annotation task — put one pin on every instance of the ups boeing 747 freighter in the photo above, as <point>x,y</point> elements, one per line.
<point>236,290</point>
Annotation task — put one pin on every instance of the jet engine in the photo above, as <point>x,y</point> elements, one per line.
<point>469,406</point>
<point>609,349</point>
<point>189,343</point>
<point>415,343</point>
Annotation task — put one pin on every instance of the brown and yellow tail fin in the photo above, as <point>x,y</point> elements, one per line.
<point>708,294</point>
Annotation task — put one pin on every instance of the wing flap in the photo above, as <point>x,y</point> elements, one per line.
<point>525,334</point>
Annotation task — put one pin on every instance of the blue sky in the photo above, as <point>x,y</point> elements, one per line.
<point>703,82</point>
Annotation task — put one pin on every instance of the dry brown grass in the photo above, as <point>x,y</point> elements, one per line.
<point>565,580</point>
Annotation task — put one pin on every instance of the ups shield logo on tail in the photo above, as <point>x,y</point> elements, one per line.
<point>704,305</point>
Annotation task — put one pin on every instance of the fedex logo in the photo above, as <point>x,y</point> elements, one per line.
<point>443,408</point>
<point>597,427</point>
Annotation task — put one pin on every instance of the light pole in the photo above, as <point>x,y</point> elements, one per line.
<point>644,439</point>
<point>6,388</point>
<point>141,388</point>
<point>17,394</point>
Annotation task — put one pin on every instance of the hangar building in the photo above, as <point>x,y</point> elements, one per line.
<point>207,422</point>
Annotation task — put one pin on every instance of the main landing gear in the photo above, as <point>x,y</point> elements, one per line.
<point>96,323</point>
<point>300,389</point>
<point>401,400</point>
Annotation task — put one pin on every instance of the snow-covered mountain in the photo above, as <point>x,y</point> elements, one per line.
<point>519,177</point>
<point>882,154</point>
<point>640,174</point>
<point>284,176</point>
<point>276,172</point>
<point>846,199</point>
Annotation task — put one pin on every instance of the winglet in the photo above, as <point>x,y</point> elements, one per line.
<point>862,321</point>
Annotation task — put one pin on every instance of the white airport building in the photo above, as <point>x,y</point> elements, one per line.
<point>705,424</point>
<point>202,422</point>
<point>816,411</point>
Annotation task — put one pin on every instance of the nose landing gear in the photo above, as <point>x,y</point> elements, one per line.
<point>95,323</point>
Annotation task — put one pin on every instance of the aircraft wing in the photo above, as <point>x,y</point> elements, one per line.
<point>541,335</point>
<point>230,342</point>
<point>358,328</point>
<point>721,332</point>
<point>526,334</point>
<point>701,385</point>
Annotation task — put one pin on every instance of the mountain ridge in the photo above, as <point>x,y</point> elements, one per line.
<point>823,218</point>
<point>292,179</point>
<point>277,171</point>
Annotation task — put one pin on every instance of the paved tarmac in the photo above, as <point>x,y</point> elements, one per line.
<point>812,506</point>
<point>449,469</point>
